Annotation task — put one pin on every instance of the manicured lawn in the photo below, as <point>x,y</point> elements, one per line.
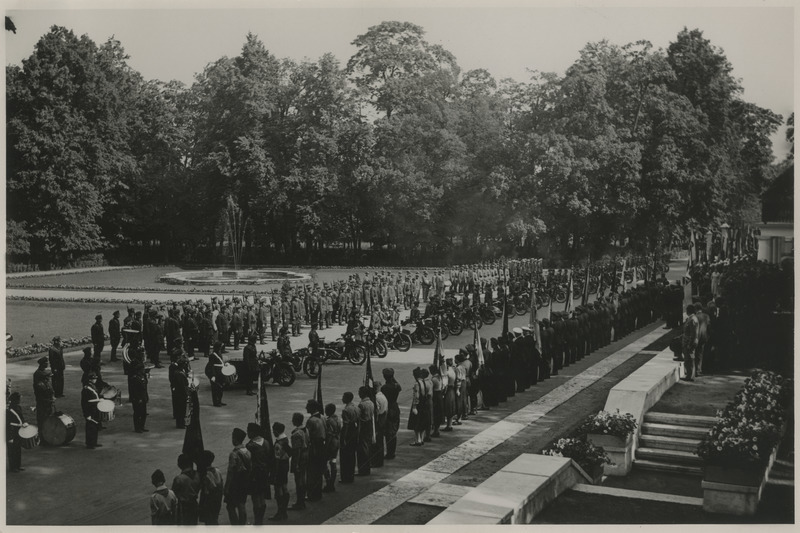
<point>32,322</point>
<point>149,278</point>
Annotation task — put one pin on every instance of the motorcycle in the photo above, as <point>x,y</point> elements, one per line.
<point>276,368</point>
<point>376,344</point>
<point>420,331</point>
<point>397,339</point>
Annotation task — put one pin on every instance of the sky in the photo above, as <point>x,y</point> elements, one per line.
<point>177,39</point>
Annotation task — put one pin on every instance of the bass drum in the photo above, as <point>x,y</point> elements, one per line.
<point>58,430</point>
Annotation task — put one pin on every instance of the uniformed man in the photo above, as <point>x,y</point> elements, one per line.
<point>179,387</point>
<point>55,355</point>
<point>262,457</point>
<point>98,336</point>
<point>89,400</point>
<point>299,440</point>
<point>43,392</point>
<point>250,357</point>
<point>137,385</point>
<point>114,334</point>
<point>366,435</point>
<point>213,372</point>
<point>317,454</point>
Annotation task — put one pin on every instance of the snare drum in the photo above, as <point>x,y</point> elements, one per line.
<point>112,393</point>
<point>228,374</point>
<point>106,409</point>
<point>58,430</point>
<point>29,437</point>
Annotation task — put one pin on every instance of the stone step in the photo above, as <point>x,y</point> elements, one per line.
<point>643,464</point>
<point>680,420</point>
<point>671,430</point>
<point>669,443</point>
<point>668,456</point>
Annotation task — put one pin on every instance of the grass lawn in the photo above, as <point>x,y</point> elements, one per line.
<point>149,278</point>
<point>32,322</point>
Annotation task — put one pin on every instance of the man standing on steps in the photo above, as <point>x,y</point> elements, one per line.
<point>689,342</point>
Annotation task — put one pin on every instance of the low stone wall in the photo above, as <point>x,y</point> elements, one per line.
<point>515,494</point>
<point>641,390</point>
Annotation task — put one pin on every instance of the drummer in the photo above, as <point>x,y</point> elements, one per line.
<point>14,421</point>
<point>214,374</point>
<point>89,399</point>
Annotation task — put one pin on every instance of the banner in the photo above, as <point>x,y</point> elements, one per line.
<point>193,438</point>
<point>262,408</point>
<point>568,305</point>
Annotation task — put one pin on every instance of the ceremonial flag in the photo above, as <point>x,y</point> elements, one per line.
<point>505,316</point>
<point>369,382</point>
<point>478,347</point>
<point>262,408</point>
<point>438,356</point>
<point>585,296</point>
<point>318,392</point>
<point>568,305</point>
<point>193,437</point>
<point>622,276</point>
<point>614,285</point>
<point>534,322</point>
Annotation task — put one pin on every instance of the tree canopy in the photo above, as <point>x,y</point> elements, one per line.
<point>398,148</point>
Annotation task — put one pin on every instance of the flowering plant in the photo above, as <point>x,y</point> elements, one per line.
<point>587,455</point>
<point>41,347</point>
<point>748,428</point>
<point>605,423</point>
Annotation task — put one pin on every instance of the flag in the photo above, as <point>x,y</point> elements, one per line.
<point>505,316</point>
<point>193,437</point>
<point>615,285</point>
<point>633,283</point>
<point>585,297</point>
<point>262,408</point>
<point>568,305</point>
<point>534,322</point>
<point>369,382</point>
<point>318,392</point>
<point>478,348</point>
<point>438,356</point>
<point>622,275</point>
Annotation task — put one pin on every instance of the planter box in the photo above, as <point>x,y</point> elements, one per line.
<point>619,450</point>
<point>735,491</point>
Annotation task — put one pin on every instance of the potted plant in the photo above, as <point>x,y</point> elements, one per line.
<point>589,457</point>
<point>740,449</point>
<point>614,433</point>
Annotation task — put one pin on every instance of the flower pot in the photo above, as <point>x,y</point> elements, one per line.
<point>619,450</point>
<point>746,475</point>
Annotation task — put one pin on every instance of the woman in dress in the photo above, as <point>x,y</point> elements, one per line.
<point>419,418</point>
<point>438,400</point>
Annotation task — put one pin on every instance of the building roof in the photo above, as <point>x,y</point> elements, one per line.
<point>777,202</point>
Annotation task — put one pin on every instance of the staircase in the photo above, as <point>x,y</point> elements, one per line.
<point>668,442</point>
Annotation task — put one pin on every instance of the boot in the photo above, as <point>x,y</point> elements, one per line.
<point>282,502</point>
<point>258,515</point>
<point>301,501</point>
